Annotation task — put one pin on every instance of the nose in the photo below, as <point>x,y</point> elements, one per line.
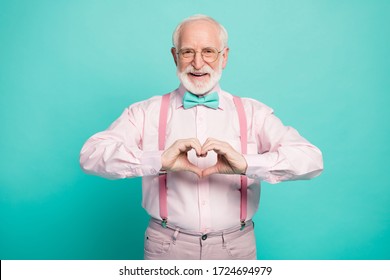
<point>198,61</point>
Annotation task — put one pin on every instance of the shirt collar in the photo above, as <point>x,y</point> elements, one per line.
<point>179,93</point>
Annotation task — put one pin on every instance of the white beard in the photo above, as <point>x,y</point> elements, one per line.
<point>198,87</point>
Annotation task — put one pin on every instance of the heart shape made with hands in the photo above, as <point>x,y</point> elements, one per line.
<point>229,161</point>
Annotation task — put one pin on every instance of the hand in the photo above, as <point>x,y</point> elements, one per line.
<point>229,161</point>
<point>175,158</point>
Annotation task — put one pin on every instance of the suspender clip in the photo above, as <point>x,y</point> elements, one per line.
<point>164,223</point>
<point>242,225</point>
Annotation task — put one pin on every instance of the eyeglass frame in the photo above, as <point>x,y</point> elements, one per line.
<point>218,53</point>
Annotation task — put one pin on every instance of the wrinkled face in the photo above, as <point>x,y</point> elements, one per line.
<point>197,75</point>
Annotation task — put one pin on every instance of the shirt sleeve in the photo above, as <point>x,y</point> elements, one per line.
<point>116,152</point>
<point>283,153</point>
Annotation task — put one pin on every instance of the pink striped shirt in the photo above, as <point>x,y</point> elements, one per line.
<point>129,148</point>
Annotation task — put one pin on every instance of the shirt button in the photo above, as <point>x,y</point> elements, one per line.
<point>204,237</point>
<point>153,171</point>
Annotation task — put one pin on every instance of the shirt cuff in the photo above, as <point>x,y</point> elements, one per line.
<point>258,166</point>
<point>151,162</point>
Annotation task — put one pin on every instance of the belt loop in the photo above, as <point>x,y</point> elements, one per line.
<point>223,242</point>
<point>175,234</point>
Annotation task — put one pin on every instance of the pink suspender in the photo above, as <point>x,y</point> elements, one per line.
<point>244,141</point>
<point>162,127</point>
<point>161,144</point>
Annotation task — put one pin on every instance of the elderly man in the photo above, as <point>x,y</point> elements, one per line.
<point>202,153</point>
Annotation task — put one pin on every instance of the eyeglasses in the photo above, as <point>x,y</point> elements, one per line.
<point>208,54</point>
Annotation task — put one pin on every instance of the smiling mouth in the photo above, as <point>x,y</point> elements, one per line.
<point>198,74</point>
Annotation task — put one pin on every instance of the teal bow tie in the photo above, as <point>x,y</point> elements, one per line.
<point>210,100</point>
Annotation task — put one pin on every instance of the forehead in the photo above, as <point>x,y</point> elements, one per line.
<point>199,34</point>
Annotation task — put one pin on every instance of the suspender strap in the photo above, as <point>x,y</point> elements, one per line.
<point>161,146</point>
<point>244,141</point>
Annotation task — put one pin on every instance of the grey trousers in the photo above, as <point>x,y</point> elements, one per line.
<point>175,244</point>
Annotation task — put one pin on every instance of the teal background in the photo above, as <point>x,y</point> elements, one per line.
<point>69,68</point>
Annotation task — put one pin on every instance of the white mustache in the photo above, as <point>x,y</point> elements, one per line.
<point>204,70</point>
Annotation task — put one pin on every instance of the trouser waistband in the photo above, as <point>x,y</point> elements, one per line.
<point>194,237</point>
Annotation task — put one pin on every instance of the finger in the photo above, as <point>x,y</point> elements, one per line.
<point>183,164</point>
<point>171,154</point>
<point>189,144</point>
<point>197,146</point>
<point>206,147</point>
<point>209,141</point>
<point>219,147</point>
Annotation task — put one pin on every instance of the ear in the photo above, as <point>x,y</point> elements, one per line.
<point>174,54</point>
<point>225,55</point>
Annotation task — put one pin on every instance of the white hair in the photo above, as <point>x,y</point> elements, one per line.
<point>222,34</point>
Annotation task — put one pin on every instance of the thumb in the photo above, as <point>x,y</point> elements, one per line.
<point>210,170</point>
<point>194,169</point>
